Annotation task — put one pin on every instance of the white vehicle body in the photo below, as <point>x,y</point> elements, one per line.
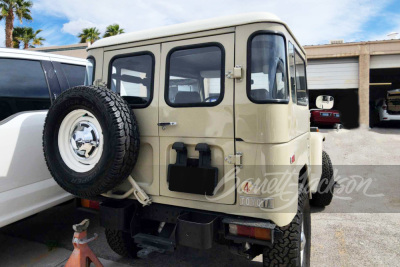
<point>388,108</point>
<point>26,186</point>
<point>385,116</point>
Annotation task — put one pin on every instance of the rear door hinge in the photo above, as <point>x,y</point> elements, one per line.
<point>236,73</point>
<point>235,159</point>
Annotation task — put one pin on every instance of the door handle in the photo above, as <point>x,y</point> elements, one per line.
<point>165,124</point>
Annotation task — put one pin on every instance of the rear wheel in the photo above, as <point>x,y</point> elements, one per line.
<point>121,243</point>
<point>324,194</point>
<point>293,249</point>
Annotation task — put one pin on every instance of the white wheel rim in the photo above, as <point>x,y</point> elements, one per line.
<point>80,140</point>
<point>302,243</point>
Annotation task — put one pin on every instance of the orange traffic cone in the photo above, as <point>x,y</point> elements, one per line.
<point>82,255</point>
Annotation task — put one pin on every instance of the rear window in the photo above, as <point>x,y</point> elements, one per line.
<point>75,74</point>
<point>132,77</point>
<point>195,76</point>
<point>301,83</point>
<point>23,87</point>
<point>267,71</point>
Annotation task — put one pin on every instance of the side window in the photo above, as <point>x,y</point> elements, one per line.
<point>132,77</point>
<point>292,70</point>
<point>195,76</point>
<point>266,76</point>
<point>75,74</point>
<point>301,83</point>
<point>23,87</point>
<point>90,67</point>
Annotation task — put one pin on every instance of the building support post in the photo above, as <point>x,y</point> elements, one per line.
<point>363,89</point>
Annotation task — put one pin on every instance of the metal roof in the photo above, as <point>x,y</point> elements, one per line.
<point>189,27</point>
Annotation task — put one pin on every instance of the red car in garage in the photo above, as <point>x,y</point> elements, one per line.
<point>325,117</point>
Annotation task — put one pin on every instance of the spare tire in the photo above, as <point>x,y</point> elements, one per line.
<point>90,140</point>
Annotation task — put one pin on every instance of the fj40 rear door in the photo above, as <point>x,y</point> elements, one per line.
<point>196,119</point>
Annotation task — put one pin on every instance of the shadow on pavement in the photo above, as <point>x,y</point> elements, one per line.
<point>53,228</point>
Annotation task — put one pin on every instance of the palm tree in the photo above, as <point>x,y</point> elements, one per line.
<point>17,34</point>
<point>27,36</point>
<point>89,35</point>
<point>10,9</point>
<point>112,30</point>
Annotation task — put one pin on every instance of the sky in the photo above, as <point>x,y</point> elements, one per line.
<point>312,21</point>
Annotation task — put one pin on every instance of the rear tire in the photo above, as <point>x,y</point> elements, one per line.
<point>294,248</point>
<point>324,194</point>
<point>121,243</point>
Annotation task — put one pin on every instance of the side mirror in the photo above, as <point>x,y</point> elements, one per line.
<point>324,102</point>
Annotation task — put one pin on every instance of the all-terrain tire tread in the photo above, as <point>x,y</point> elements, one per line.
<point>324,194</point>
<point>285,251</point>
<point>121,243</point>
<point>124,138</point>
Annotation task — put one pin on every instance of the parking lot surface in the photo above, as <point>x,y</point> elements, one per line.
<point>360,227</point>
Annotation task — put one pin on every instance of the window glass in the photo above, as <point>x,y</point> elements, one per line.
<point>301,85</point>
<point>132,78</point>
<point>267,68</point>
<point>89,74</point>
<point>292,71</point>
<point>75,74</point>
<point>23,87</point>
<point>195,77</point>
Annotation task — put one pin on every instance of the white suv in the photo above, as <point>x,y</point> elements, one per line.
<point>389,107</point>
<point>29,83</point>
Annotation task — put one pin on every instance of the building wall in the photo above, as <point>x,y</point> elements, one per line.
<point>75,50</point>
<point>364,51</point>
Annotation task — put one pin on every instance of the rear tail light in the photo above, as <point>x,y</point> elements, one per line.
<point>91,204</point>
<point>252,232</point>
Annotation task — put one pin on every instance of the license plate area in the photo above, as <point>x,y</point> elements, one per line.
<point>325,114</point>
<point>256,202</point>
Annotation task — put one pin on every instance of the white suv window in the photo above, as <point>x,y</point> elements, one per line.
<point>23,87</point>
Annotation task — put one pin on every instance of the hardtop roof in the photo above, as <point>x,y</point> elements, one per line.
<point>191,27</point>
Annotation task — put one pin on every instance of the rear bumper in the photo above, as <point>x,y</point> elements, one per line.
<point>326,121</point>
<point>384,116</point>
<point>192,228</point>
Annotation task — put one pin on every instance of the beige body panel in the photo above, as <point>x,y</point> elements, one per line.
<point>146,172</point>
<point>211,125</point>
<point>256,161</point>
<point>265,123</point>
<point>268,135</point>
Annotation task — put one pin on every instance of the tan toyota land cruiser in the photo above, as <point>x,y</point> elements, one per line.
<point>225,151</point>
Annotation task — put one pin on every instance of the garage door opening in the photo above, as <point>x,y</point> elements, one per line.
<point>337,77</point>
<point>384,109</point>
<point>346,102</point>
